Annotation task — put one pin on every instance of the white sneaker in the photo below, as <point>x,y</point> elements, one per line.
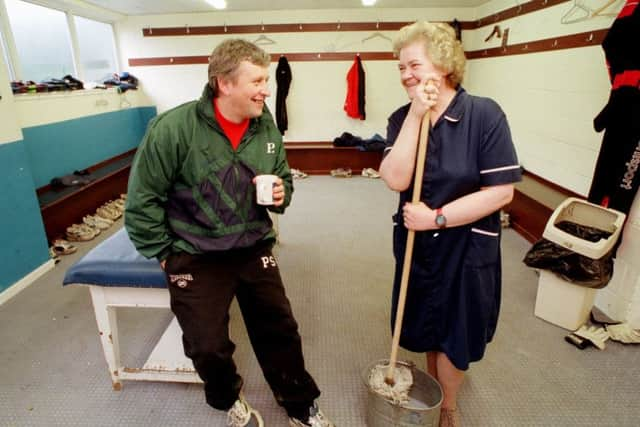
<point>370,173</point>
<point>243,415</point>
<point>316,419</point>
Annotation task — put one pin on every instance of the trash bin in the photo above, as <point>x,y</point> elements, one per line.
<point>561,302</point>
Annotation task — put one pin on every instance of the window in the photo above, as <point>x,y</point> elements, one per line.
<point>97,56</point>
<point>5,56</point>
<point>42,41</point>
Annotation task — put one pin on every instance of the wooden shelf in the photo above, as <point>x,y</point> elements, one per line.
<point>61,208</point>
<point>319,158</point>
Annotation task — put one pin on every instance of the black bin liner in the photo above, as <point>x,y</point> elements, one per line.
<point>570,266</point>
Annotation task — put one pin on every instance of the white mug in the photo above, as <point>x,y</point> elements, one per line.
<point>264,188</point>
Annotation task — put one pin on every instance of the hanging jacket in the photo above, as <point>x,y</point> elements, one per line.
<point>283,78</point>
<point>616,177</point>
<point>354,102</point>
<point>189,191</point>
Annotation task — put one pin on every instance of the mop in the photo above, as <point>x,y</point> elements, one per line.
<point>391,380</point>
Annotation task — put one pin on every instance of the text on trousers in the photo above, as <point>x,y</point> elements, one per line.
<point>268,261</point>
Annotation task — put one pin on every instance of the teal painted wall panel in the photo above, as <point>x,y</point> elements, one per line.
<point>24,244</point>
<point>58,149</point>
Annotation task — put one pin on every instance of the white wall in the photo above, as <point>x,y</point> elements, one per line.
<point>44,108</point>
<point>550,98</point>
<point>318,89</point>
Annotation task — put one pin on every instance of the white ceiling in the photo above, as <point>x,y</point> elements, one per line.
<point>155,7</point>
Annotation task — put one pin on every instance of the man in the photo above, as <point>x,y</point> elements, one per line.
<point>192,205</point>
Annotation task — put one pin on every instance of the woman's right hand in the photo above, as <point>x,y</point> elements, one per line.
<point>426,95</point>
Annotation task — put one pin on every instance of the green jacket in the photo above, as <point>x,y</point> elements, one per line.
<point>189,191</point>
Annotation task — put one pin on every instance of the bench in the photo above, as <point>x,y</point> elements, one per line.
<point>61,208</point>
<point>118,276</point>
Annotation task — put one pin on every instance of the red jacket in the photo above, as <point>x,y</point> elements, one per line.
<point>354,103</point>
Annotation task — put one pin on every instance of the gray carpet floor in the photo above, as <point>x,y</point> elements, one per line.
<point>335,258</point>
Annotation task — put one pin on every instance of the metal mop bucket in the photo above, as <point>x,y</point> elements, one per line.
<point>423,408</point>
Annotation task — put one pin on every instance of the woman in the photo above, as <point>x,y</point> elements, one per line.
<point>453,296</point>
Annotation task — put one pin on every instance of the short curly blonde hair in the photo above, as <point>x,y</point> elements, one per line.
<point>441,46</point>
<point>226,57</point>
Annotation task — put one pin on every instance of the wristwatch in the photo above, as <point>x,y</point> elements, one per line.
<point>441,220</point>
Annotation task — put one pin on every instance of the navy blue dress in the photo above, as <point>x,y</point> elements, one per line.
<point>453,297</point>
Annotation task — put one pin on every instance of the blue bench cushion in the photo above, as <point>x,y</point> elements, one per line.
<point>116,262</point>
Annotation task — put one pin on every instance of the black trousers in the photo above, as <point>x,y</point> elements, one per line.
<point>202,288</point>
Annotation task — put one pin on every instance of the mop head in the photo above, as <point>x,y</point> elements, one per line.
<point>398,393</point>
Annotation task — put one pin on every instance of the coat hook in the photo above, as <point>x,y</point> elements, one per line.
<point>187,28</point>
<point>150,30</point>
<point>261,26</point>
<point>338,26</point>
<point>171,60</point>
<point>300,27</point>
<point>225,27</point>
<point>377,24</point>
<point>555,43</point>
<point>525,47</point>
<point>590,38</point>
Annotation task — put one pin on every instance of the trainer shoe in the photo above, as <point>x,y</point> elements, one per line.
<point>243,415</point>
<point>341,172</point>
<point>370,173</point>
<point>316,419</point>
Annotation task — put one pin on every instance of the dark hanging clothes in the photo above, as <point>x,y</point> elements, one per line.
<point>375,143</point>
<point>616,179</point>
<point>354,103</point>
<point>457,27</point>
<point>283,78</point>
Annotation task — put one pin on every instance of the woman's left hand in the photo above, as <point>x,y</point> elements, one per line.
<point>418,217</point>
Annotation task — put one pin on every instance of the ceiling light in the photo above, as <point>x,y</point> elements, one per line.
<point>218,4</point>
<point>368,2</point>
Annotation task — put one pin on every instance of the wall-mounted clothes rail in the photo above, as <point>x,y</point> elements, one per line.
<point>291,57</point>
<point>273,28</point>
<point>512,12</point>
<point>589,38</point>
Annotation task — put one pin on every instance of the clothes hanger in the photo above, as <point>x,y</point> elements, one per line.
<point>375,35</point>
<point>598,11</point>
<point>578,12</point>
<point>263,40</point>
<point>496,32</point>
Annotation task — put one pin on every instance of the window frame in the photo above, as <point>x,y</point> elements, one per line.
<point>11,53</point>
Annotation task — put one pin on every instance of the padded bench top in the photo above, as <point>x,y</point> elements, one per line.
<point>116,262</point>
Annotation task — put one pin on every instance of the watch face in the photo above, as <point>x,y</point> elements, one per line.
<point>441,221</point>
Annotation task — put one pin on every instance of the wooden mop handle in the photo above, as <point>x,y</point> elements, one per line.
<point>406,267</point>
